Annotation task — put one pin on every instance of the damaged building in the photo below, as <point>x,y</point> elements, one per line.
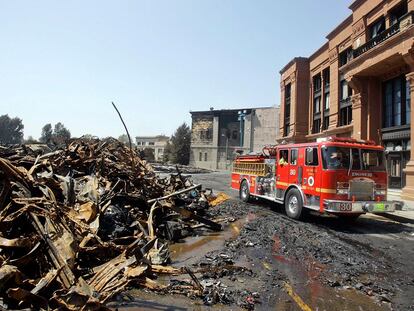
<point>156,143</point>
<point>217,135</point>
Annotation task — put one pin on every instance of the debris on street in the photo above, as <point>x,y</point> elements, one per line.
<point>219,198</point>
<point>80,223</point>
<point>184,169</point>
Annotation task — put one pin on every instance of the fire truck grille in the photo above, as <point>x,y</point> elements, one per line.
<point>361,190</point>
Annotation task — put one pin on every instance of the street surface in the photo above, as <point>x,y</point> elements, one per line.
<point>264,260</point>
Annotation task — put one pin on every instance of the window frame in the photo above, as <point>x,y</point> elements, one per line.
<point>392,109</point>
<point>345,111</point>
<point>325,121</point>
<point>317,156</point>
<point>345,56</point>
<point>317,83</point>
<point>291,156</point>
<point>380,21</point>
<point>397,12</point>
<point>287,153</point>
<point>288,97</point>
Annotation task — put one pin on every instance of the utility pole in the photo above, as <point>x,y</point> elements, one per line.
<point>227,148</point>
<point>242,116</point>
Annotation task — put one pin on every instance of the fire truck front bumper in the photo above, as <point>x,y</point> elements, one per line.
<point>359,207</point>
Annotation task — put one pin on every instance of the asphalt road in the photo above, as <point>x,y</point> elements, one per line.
<point>263,260</point>
<point>390,242</point>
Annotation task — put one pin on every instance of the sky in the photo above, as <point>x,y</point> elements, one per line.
<point>157,60</point>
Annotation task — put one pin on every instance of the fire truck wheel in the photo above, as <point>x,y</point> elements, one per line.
<point>244,191</point>
<point>294,204</point>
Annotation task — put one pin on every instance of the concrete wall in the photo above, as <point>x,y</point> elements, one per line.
<point>265,125</point>
<point>260,128</point>
<point>203,141</point>
<point>211,153</point>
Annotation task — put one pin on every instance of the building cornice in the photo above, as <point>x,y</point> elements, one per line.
<point>218,111</point>
<point>357,64</point>
<point>320,50</point>
<point>340,27</point>
<point>295,60</point>
<point>356,4</point>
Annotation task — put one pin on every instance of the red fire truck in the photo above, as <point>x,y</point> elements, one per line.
<point>341,176</point>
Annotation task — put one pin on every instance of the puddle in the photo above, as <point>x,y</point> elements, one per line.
<point>185,254</point>
<point>316,295</point>
<point>301,276</point>
<point>194,248</point>
<point>152,301</point>
<point>303,281</point>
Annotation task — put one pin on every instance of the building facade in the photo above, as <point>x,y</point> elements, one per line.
<point>216,135</point>
<point>360,83</point>
<point>156,143</point>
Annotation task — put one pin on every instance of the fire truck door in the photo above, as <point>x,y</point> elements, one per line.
<point>311,178</point>
<point>282,170</point>
<point>293,166</point>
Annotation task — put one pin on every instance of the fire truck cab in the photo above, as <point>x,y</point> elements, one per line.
<point>341,176</point>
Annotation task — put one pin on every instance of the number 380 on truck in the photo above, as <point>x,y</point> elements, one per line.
<point>341,176</point>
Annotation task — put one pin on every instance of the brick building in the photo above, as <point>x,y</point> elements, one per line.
<point>216,135</point>
<point>360,83</point>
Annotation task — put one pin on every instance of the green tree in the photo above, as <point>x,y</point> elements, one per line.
<point>60,134</point>
<point>148,154</point>
<point>124,139</point>
<point>180,145</point>
<point>30,140</point>
<point>47,134</point>
<point>88,136</point>
<point>167,152</point>
<point>11,130</point>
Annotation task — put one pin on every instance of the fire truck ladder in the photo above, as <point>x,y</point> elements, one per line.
<point>258,169</point>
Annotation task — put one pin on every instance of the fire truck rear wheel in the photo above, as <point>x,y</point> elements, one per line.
<point>244,191</point>
<point>294,204</point>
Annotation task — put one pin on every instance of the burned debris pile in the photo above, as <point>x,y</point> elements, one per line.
<point>79,223</point>
<point>185,169</point>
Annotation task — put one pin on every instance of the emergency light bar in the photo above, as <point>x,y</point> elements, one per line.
<point>345,140</point>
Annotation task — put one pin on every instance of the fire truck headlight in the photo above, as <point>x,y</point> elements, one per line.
<point>367,207</point>
<point>342,191</point>
<point>342,188</point>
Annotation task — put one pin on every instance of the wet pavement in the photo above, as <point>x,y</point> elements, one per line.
<point>263,260</point>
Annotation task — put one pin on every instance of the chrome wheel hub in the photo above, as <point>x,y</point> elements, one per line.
<point>293,204</point>
<point>244,191</point>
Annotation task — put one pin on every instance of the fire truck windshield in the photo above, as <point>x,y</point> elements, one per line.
<point>335,158</point>
<point>373,160</point>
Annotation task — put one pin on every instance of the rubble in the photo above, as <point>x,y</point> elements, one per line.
<point>80,223</point>
<point>185,169</point>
